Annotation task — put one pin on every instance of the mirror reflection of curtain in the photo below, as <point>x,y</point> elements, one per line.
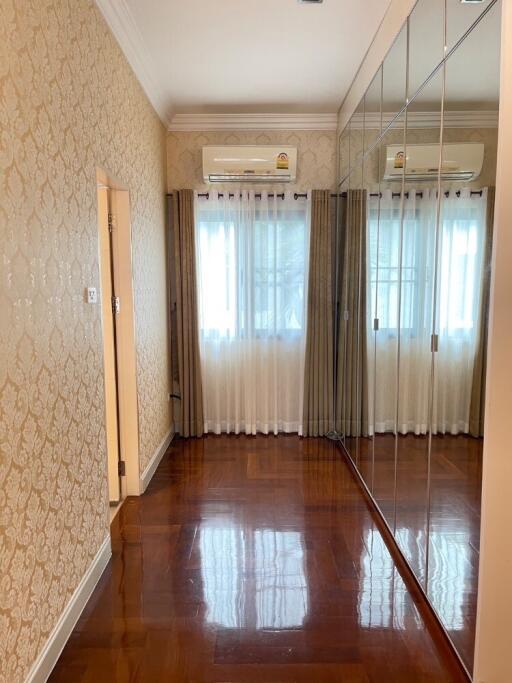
<point>252,264</point>
<point>413,298</point>
<point>461,261</point>
<point>476,410</point>
<point>352,366</point>
<point>459,293</point>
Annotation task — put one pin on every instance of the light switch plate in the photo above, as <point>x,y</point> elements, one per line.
<point>92,295</point>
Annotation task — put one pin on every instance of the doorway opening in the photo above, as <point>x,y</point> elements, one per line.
<point>119,356</point>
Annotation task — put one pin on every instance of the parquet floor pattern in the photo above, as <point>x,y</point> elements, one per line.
<point>252,559</point>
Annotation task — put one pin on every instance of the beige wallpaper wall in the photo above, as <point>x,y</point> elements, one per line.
<point>68,103</point>
<point>316,155</point>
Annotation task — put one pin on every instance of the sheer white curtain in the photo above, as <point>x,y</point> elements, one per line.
<point>418,243</point>
<point>252,262</point>
<point>384,235</point>
<point>461,263</point>
<point>409,319</point>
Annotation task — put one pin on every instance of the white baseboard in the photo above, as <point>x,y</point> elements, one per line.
<point>47,659</point>
<point>157,456</point>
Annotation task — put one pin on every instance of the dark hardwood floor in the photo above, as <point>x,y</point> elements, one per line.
<point>253,559</point>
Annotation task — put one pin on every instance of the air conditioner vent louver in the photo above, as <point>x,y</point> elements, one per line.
<point>249,164</point>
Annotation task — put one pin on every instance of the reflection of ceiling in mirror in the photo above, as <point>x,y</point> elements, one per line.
<point>472,71</point>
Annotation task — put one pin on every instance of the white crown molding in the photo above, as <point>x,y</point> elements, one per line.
<point>430,119</point>
<point>209,122</point>
<point>121,22</point>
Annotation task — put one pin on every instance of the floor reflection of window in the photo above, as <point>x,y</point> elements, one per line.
<point>383,597</point>
<point>413,543</point>
<point>449,577</point>
<point>222,557</point>
<point>382,594</point>
<point>253,579</point>
<point>281,591</point>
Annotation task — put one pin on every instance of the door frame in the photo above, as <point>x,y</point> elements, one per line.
<point>126,356</point>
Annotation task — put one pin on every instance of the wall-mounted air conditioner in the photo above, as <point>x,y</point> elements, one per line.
<point>461,161</point>
<point>249,163</point>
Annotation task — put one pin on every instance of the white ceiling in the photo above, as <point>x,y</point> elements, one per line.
<point>244,56</point>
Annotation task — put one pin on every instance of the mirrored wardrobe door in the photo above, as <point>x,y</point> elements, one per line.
<point>462,295</point>
<point>384,229</point>
<point>344,153</point>
<point>394,77</point>
<point>340,322</point>
<point>373,116</point>
<point>353,338</point>
<point>341,344</point>
<point>364,440</point>
<point>460,17</point>
<point>384,239</point>
<point>341,209</point>
<point>371,195</point>
<point>357,136</point>
<point>416,295</point>
<point>426,42</point>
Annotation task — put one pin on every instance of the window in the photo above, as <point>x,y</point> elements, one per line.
<point>252,266</point>
<point>252,257</point>
<point>401,259</point>
<point>461,262</point>
<point>407,307</point>
<point>461,243</point>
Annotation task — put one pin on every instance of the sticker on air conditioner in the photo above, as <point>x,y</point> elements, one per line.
<point>283,162</point>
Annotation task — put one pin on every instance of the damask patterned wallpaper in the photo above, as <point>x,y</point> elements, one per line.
<point>316,168</point>
<point>68,103</point>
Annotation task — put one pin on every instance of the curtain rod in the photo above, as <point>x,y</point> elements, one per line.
<point>303,195</point>
<point>257,195</point>
<point>281,195</point>
<point>420,194</point>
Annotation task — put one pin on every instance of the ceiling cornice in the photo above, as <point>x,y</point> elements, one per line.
<point>121,22</point>
<point>209,122</point>
<point>430,119</point>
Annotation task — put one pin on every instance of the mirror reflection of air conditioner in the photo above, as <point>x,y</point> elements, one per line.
<point>249,163</point>
<point>461,161</point>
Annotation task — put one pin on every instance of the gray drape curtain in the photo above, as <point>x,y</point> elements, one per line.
<point>318,410</point>
<point>187,327</point>
<point>351,361</point>
<point>477,406</point>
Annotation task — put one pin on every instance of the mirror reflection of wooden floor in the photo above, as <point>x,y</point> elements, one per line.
<point>449,571</point>
<point>253,559</point>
